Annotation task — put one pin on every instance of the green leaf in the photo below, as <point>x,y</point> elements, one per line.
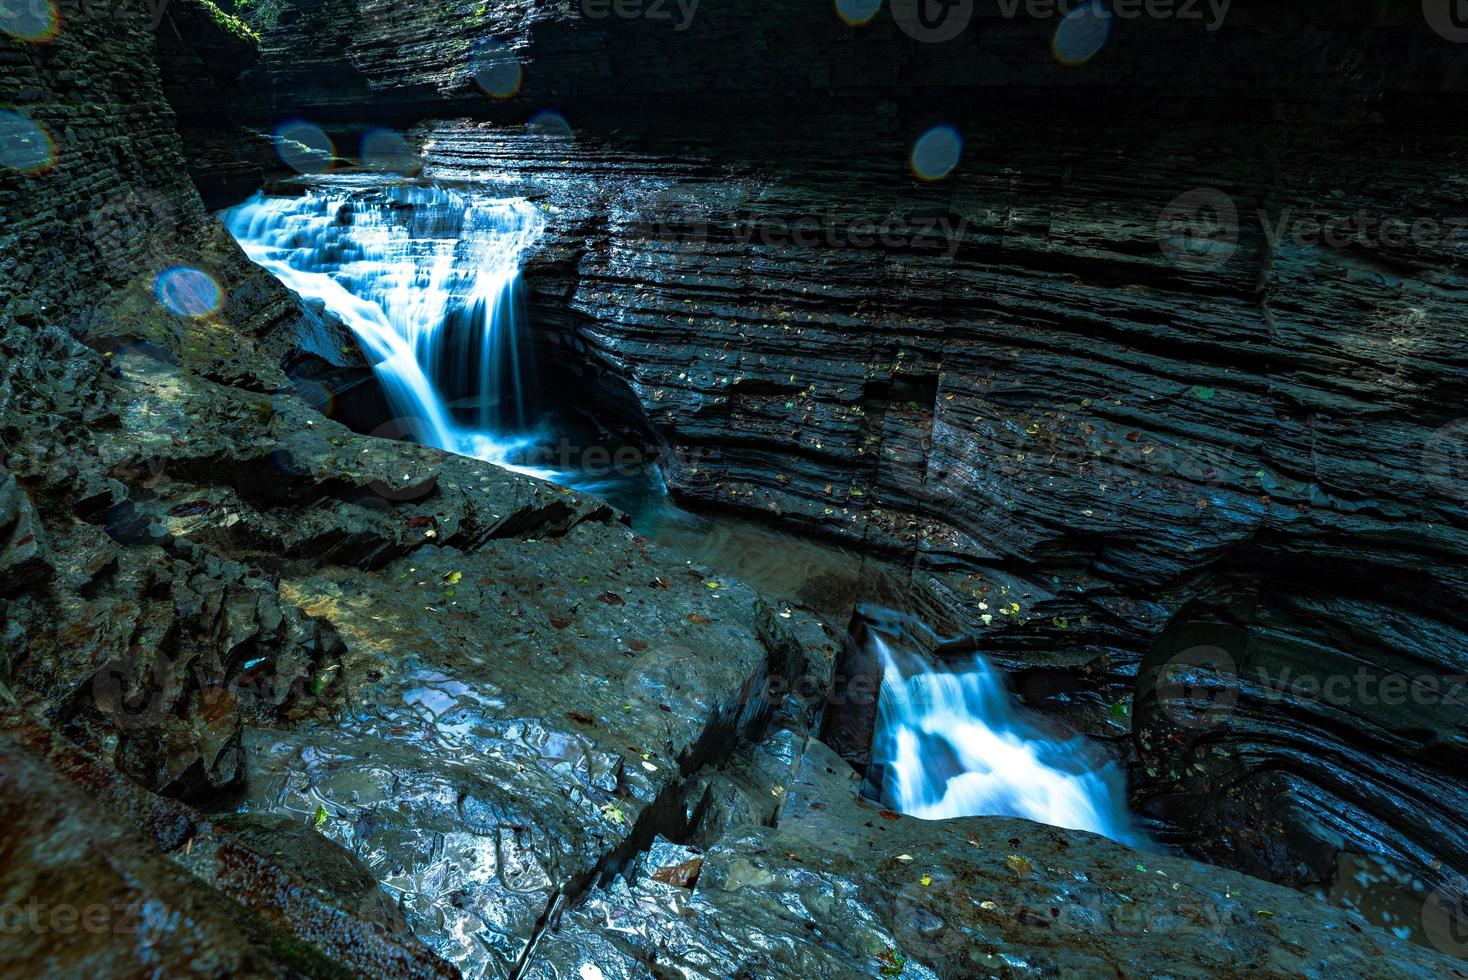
<point>321,817</point>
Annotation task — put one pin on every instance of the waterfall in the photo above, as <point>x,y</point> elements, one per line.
<point>426,278</point>
<point>954,744</point>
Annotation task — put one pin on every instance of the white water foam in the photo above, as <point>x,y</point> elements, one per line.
<point>425,276</point>
<point>955,744</point>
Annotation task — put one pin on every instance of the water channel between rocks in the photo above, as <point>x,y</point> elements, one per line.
<point>427,278</point>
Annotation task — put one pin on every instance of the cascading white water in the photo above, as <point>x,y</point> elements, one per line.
<point>954,744</point>
<point>425,277</point>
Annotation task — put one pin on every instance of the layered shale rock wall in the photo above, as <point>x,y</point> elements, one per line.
<point>1097,444</point>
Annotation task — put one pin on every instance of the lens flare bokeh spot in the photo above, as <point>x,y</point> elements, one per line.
<point>24,145</point>
<point>187,291</point>
<point>857,12</point>
<point>937,152</point>
<point>304,147</point>
<point>29,20</point>
<point>551,125</point>
<point>383,149</point>
<point>1082,34</point>
<point>496,69</point>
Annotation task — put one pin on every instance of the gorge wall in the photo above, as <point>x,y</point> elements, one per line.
<point>269,668</point>
<point>1082,432</point>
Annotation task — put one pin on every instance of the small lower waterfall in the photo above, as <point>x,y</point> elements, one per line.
<point>955,744</point>
<point>425,276</point>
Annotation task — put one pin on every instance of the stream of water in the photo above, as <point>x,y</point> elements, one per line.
<point>954,743</point>
<point>425,277</point>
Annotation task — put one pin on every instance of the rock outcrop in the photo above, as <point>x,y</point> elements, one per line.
<point>842,888</point>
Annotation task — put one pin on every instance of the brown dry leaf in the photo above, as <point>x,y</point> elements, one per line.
<point>1019,865</point>
<point>560,624</point>
<point>698,620</point>
<point>683,875</point>
<point>611,599</point>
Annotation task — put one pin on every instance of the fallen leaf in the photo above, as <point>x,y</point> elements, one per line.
<point>1019,865</point>
<point>683,875</point>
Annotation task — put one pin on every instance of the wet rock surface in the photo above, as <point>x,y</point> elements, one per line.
<point>222,598</point>
<point>1062,436</point>
<point>105,878</point>
<point>841,888</point>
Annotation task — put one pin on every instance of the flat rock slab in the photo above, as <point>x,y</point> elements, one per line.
<point>842,888</point>
<point>508,718</point>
